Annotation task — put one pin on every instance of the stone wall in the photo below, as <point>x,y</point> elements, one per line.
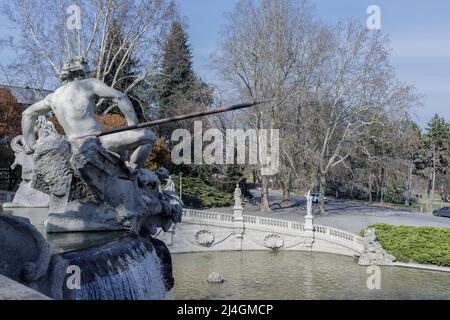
<point>12,290</point>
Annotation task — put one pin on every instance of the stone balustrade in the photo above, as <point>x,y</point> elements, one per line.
<point>279,226</point>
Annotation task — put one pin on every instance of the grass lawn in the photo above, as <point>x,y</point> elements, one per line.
<point>427,245</point>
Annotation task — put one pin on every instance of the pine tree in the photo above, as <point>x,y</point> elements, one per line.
<point>179,89</point>
<point>438,132</point>
<point>437,139</point>
<point>177,76</point>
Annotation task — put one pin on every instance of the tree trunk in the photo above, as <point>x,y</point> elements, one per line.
<point>430,179</point>
<point>322,186</point>
<point>409,189</point>
<point>265,194</point>
<point>370,186</point>
<point>433,181</point>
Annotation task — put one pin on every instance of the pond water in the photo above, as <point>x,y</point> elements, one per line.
<point>269,275</point>
<point>297,275</point>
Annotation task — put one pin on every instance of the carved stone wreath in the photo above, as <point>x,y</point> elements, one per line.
<point>204,237</point>
<point>273,241</point>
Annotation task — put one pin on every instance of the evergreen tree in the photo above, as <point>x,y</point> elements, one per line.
<point>437,140</point>
<point>179,89</point>
<point>438,132</point>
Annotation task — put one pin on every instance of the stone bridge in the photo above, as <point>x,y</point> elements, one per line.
<point>216,231</point>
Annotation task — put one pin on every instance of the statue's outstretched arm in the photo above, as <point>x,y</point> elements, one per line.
<point>123,103</point>
<point>29,118</point>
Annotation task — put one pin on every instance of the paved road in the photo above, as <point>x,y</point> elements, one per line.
<point>343,215</point>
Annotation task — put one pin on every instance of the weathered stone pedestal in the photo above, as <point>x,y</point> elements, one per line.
<point>238,217</point>
<point>309,230</point>
<point>28,197</point>
<point>309,221</point>
<point>91,189</point>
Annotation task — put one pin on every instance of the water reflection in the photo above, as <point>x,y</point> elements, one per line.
<point>297,275</point>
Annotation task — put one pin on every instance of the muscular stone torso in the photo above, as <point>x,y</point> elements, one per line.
<point>74,107</point>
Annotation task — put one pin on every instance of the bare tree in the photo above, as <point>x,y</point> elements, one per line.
<point>49,37</point>
<point>356,88</point>
<point>262,43</point>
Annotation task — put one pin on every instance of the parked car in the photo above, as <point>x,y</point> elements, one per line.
<point>442,212</point>
<point>316,196</point>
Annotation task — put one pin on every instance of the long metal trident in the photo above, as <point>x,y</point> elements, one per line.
<point>176,118</point>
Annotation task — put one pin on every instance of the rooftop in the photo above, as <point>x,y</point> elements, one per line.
<point>25,95</point>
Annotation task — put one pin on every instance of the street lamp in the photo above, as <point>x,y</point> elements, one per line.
<point>181,185</point>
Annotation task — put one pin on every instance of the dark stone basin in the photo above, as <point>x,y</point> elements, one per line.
<point>112,265</point>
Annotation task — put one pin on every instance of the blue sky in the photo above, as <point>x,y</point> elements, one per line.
<point>419,33</point>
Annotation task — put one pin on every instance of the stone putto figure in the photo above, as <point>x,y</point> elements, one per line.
<point>26,196</point>
<point>170,185</point>
<point>237,196</point>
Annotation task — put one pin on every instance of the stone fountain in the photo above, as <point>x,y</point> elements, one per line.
<point>89,185</point>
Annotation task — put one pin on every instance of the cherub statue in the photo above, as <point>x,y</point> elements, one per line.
<point>26,195</point>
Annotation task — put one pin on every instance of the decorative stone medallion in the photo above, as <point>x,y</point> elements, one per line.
<point>204,237</point>
<point>273,241</point>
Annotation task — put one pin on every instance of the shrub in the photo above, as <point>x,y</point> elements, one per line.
<point>160,156</point>
<point>427,245</point>
<point>197,194</point>
<point>394,194</point>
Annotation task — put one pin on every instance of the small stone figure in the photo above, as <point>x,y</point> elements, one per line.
<point>237,197</point>
<point>44,128</point>
<point>308,203</point>
<point>373,253</point>
<point>170,185</point>
<point>26,196</point>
